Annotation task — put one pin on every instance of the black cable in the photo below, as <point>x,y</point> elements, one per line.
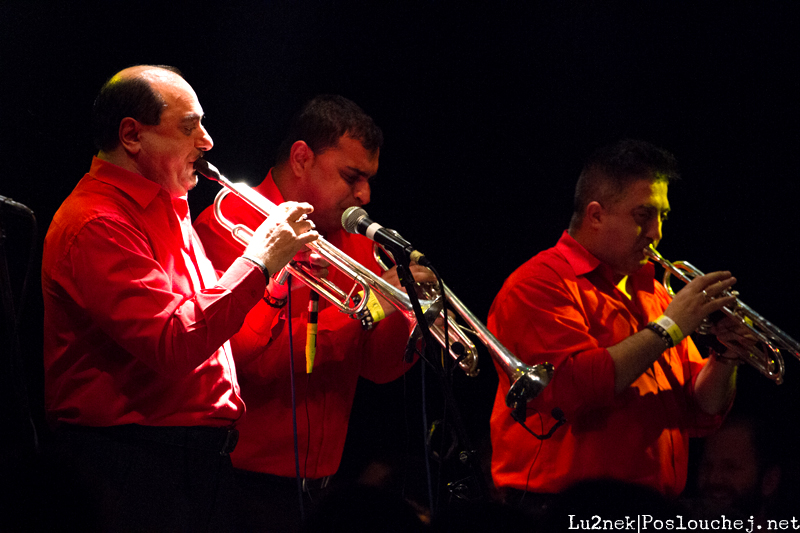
<point>556,413</point>
<point>294,400</point>
<point>428,476</point>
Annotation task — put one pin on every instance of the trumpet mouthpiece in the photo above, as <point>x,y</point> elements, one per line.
<point>650,251</point>
<point>206,169</point>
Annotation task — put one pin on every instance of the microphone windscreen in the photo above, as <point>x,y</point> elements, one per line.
<point>350,218</point>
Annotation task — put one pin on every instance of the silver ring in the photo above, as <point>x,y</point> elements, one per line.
<point>706,296</point>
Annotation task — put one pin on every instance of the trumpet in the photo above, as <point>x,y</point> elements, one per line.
<point>526,382</point>
<point>767,358</point>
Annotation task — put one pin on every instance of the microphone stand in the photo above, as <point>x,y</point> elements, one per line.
<point>13,364</point>
<point>468,455</point>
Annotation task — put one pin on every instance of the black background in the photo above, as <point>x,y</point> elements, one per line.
<point>488,112</point>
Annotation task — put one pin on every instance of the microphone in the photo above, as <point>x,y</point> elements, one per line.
<point>14,207</point>
<point>356,220</point>
<point>311,330</point>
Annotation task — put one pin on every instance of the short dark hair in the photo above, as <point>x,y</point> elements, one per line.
<point>325,119</point>
<point>122,97</point>
<point>612,169</point>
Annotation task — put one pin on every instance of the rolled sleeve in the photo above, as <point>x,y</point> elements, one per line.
<point>541,321</point>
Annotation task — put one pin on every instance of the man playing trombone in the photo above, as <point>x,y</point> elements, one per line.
<point>327,159</point>
<point>630,384</point>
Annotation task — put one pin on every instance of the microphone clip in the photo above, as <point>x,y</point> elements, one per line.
<point>519,415</point>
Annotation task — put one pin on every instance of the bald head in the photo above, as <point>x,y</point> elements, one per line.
<point>132,92</point>
<point>148,72</point>
<point>148,121</point>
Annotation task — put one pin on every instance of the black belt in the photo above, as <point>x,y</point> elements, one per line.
<point>290,483</point>
<point>221,439</point>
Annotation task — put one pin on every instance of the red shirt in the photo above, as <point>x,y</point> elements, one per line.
<point>562,306</point>
<point>136,323</point>
<point>344,352</point>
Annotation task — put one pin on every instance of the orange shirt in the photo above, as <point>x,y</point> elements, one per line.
<point>562,307</point>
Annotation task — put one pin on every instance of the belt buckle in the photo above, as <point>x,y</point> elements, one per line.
<point>315,484</point>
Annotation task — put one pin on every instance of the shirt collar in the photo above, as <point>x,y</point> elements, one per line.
<point>268,189</point>
<point>141,189</point>
<point>583,262</point>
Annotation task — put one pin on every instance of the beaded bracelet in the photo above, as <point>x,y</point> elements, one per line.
<point>275,302</point>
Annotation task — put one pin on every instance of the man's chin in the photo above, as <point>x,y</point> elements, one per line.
<point>633,267</point>
<point>190,183</point>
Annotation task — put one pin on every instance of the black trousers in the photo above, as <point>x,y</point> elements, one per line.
<point>139,478</point>
<point>270,503</point>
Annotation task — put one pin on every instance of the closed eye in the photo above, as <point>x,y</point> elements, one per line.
<point>644,215</point>
<point>190,123</point>
<point>351,175</point>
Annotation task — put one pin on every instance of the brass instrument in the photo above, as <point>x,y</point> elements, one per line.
<point>526,382</point>
<point>772,339</point>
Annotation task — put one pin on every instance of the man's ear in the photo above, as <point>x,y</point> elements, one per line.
<point>130,135</point>
<point>300,158</point>
<point>594,215</point>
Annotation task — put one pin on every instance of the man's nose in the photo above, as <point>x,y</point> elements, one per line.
<point>204,141</point>
<point>362,191</point>
<point>654,231</point>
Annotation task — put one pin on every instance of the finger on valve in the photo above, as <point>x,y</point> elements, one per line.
<point>314,262</point>
<point>276,244</point>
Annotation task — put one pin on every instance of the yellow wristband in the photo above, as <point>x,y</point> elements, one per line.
<point>671,328</point>
<point>374,307</point>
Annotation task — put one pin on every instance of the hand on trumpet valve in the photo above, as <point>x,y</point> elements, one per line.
<point>425,284</point>
<point>739,339</point>
<point>314,262</point>
<point>699,298</point>
<point>284,233</point>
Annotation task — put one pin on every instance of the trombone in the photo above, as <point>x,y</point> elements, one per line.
<point>526,382</point>
<point>767,358</point>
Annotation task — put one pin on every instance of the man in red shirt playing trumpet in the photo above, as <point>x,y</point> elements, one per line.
<point>327,159</point>
<point>632,387</point>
